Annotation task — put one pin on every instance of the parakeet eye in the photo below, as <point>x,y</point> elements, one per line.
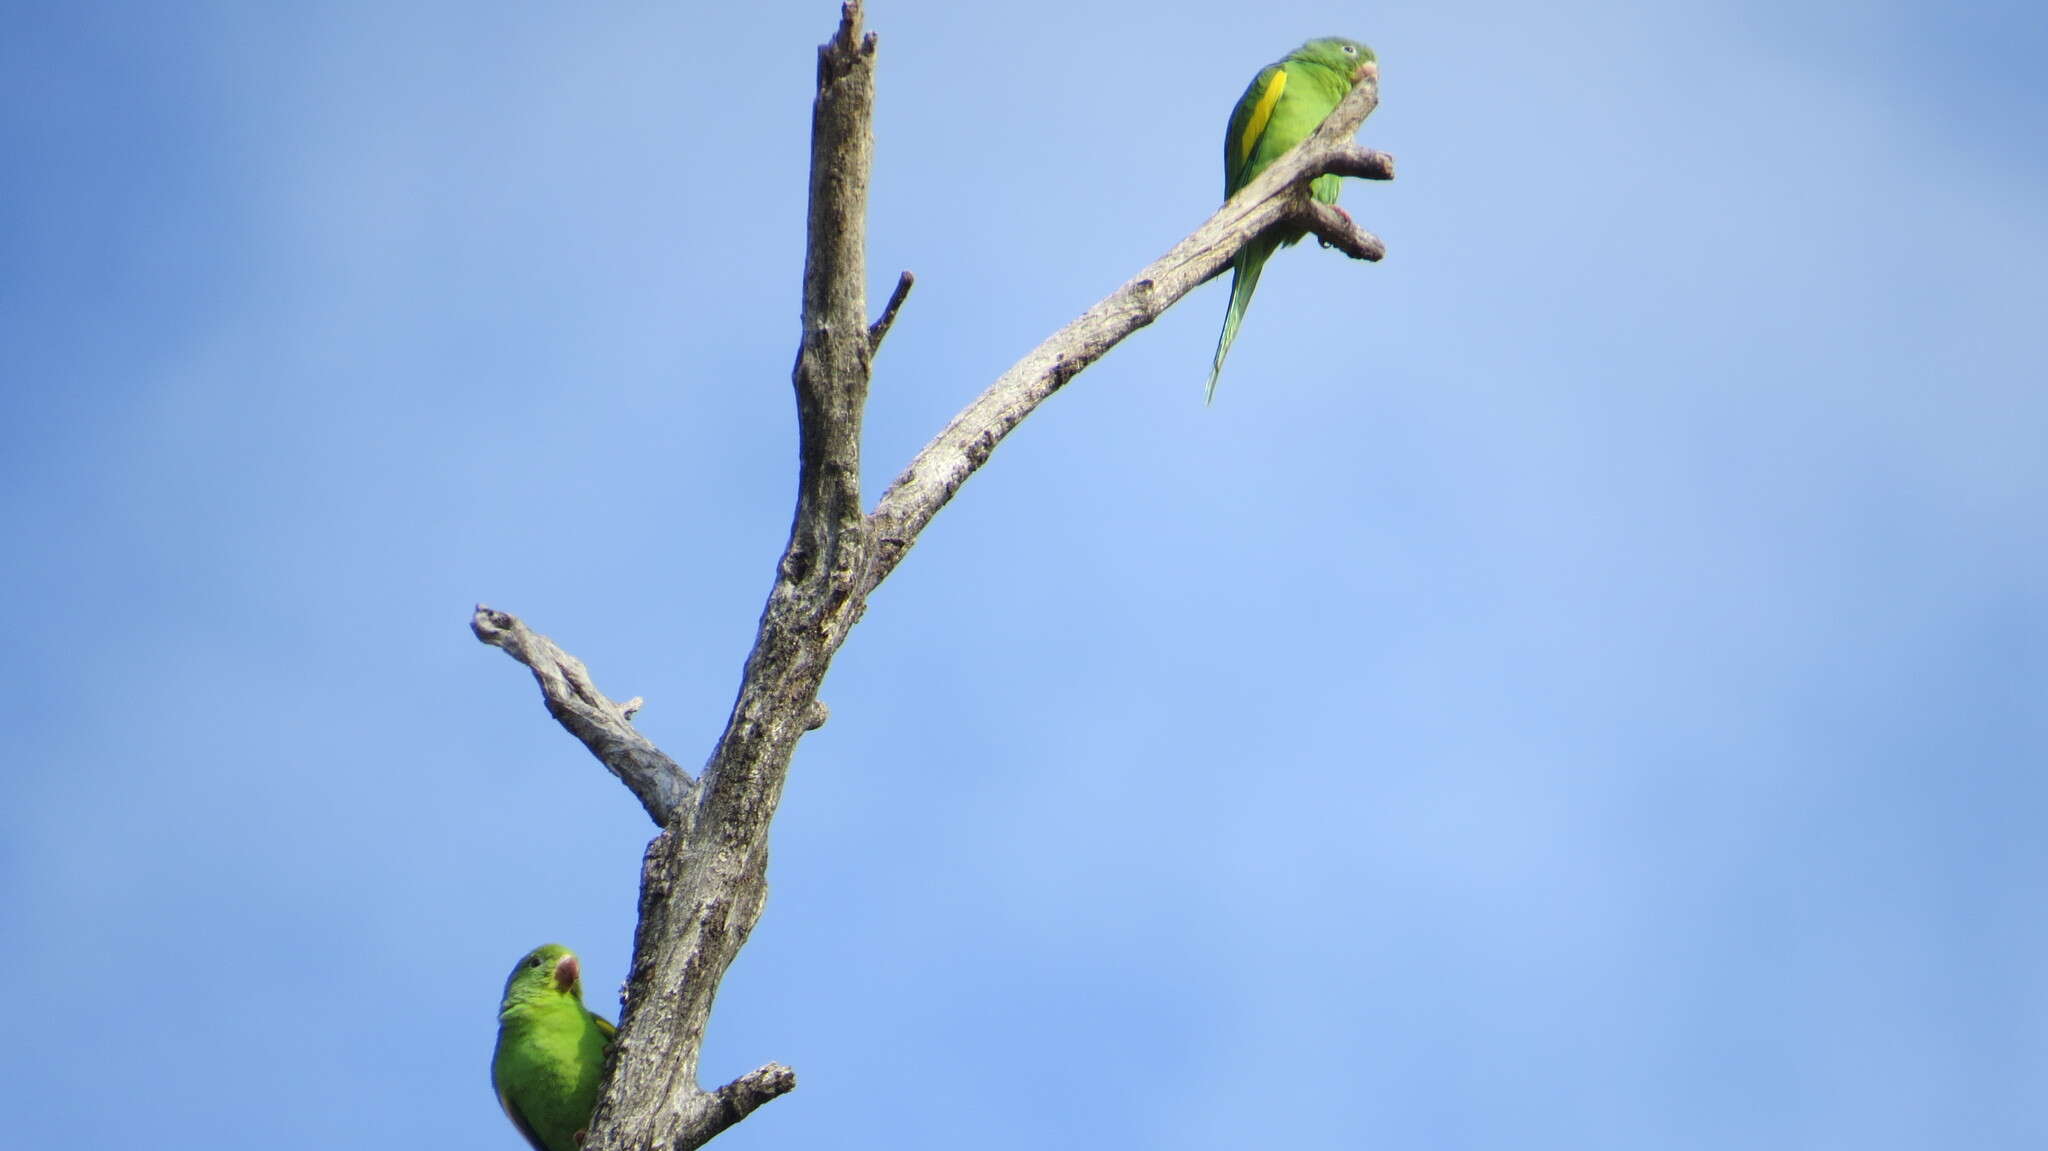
<point>1350,51</point>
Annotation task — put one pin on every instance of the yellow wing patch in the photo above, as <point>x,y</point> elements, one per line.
<point>1261,112</point>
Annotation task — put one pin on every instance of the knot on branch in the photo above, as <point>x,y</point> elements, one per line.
<point>492,626</point>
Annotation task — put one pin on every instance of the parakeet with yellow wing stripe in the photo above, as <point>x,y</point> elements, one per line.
<point>1285,104</point>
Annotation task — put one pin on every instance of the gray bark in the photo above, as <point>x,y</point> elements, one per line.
<point>702,883</point>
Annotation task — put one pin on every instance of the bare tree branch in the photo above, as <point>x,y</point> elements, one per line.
<point>1364,163</point>
<point>737,1099</point>
<point>702,883</point>
<point>604,727</point>
<point>1280,193</point>
<point>703,880</point>
<point>1334,228</point>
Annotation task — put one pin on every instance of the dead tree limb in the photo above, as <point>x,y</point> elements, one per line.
<point>702,882</point>
<point>1279,194</point>
<point>606,728</point>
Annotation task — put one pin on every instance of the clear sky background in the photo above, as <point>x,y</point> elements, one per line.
<point>1583,685</point>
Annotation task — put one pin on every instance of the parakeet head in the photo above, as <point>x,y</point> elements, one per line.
<point>550,969</point>
<point>1348,57</point>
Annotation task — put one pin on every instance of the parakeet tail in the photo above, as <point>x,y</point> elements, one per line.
<point>1244,277</point>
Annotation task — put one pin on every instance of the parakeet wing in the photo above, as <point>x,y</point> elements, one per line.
<point>518,1120</point>
<point>1247,121</point>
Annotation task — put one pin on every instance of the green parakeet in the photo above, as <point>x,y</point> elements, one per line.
<point>550,1052</point>
<point>1286,103</point>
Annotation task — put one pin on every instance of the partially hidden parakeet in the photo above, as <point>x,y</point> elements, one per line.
<point>551,1049</point>
<point>1286,103</point>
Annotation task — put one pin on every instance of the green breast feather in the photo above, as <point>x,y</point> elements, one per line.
<point>551,1050</point>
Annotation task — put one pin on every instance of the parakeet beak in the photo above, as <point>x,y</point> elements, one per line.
<point>566,973</point>
<point>1366,70</point>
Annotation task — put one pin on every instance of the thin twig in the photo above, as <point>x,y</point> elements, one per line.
<point>880,327</point>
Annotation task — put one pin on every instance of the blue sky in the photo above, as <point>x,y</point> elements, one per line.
<point>1583,685</point>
